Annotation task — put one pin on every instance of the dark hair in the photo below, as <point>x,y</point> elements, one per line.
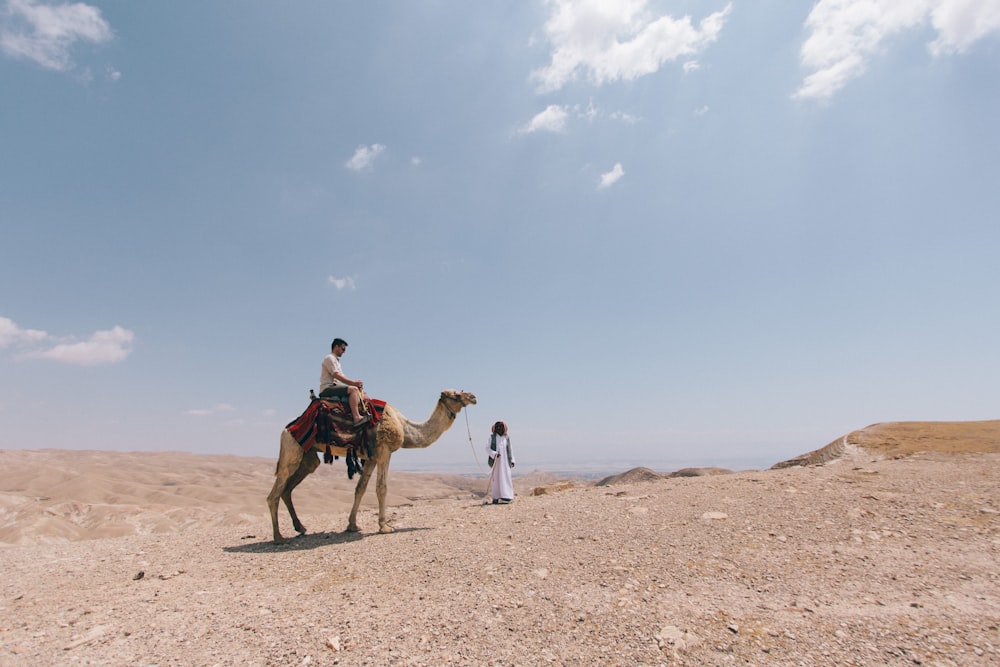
<point>338,341</point>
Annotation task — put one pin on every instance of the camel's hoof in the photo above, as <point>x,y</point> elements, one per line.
<point>278,539</point>
<point>353,528</point>
<point>301,530</point>
<point>385,529</point>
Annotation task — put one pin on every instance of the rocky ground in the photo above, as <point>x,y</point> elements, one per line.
<point>863,560</point>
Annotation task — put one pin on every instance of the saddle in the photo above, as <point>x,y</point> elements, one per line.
<point>326,424</point>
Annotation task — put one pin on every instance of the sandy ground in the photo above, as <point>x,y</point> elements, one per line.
<point>886,553</point>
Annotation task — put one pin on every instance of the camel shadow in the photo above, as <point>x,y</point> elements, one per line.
<point>307,541</point>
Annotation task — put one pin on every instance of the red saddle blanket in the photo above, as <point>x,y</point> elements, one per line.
<point>327,421</point>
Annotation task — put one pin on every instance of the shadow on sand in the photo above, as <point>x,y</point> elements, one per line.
<point>306,541</point>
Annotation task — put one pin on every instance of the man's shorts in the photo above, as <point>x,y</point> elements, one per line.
<point>335,390</point>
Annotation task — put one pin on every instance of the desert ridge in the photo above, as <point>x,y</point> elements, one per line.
<point>53,495</point>
<point>901,439</point>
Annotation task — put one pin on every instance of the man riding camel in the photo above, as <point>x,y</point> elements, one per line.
<point>333,382</point>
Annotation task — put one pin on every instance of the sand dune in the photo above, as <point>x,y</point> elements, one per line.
<point>57,495</point>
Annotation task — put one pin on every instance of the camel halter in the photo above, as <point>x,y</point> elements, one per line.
<point>451,413</point>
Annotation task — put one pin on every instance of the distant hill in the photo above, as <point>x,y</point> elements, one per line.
<point>636,475</point>
<point>631,477</point>
<point>700,472</point>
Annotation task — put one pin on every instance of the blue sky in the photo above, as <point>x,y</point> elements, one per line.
<point>656,232</point>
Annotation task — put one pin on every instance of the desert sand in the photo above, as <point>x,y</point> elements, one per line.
<point>880,548</point>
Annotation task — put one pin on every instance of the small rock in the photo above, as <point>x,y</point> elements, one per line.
<point>714,516</point>
<point>333,643</point>
<point>93,634</point>
<point>672,637</point>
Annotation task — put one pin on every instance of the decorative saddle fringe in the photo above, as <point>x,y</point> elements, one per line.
<point>326,423</point>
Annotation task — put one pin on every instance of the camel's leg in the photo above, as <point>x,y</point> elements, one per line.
<point>359,492</point>
<point>272,505</point>
<point>289,460</point>
<point>381,485</point>
<point>306,467</point>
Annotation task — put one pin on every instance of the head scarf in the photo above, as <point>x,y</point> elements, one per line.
<point>497,425</point>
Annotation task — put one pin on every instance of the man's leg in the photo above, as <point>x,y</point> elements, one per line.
<point>354,400</point>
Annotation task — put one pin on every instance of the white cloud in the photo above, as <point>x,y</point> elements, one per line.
<point>364,157</point>
<point>691,66</point>
<point>11,334</point>
<point>612,177</point>
<point>624,40</point>
<point>552,119</point>
<point>555,118</point>
<point>342,283</point>
<point>845,34</point>
<point>103,347</point>
<point>960,23</point>
<point>625,117</point>
<point>216,409</point>
<point>47,34</point>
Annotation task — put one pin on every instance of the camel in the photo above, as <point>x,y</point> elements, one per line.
<point>392,432</point>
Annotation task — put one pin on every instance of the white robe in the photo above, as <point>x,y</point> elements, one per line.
<point>501,484</point>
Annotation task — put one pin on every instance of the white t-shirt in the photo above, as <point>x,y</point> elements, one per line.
<point>331,365</point>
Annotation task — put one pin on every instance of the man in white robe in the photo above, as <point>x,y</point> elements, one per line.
<point>501,459</point>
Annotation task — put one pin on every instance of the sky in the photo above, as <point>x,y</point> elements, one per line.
<point>642,232</point>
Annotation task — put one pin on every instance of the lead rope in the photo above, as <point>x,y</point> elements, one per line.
<point>468,430</point>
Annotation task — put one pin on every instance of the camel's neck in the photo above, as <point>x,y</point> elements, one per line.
<point>425,434</point>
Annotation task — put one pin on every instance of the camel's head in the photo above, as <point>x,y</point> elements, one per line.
<point>462,398</point>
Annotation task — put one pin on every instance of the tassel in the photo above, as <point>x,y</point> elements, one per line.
<point>354,465</point>
<point>328,455</point>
